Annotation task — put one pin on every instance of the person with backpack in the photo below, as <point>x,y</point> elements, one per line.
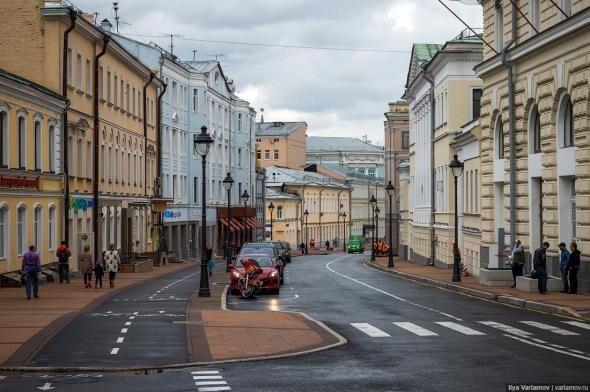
<point>111,263</point>
<point>63,257</point>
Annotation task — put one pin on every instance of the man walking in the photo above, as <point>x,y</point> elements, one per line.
<point>63,256</point>
<point>574,266</point>
<point>540,265</point>
<point>31,267</point>
<point>564,259</point>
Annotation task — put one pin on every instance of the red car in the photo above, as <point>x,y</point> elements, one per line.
<point>269,277</point>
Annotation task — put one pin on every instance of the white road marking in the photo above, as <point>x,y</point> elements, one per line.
<point>114,351</point>
<point>557,346</point>
<point>214,389</point>
<point>124,330</point>
<point>370,330</point>
<point>161,311</point>
<point>46,387</point>
<point>577,351</point>
<point>135,313</point>
<point>120,339</point>
<point>386,293</point>
<point>577,324</point>
<point>415,329</point>
<point>128,323</point>
<point>207,377</point>
<point>539,341</point>
<point>547,347</point>
<point>506,328</point>
<point>205,372</point>
<point>460,328</point>
<point>2,377</point>
<point>110,311</point>
<point>131,317</point>
<point>197,383</point>
<point>550,328</point>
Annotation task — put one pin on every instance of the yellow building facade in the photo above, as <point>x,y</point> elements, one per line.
<point>281,144</point>
<point>31,183</point>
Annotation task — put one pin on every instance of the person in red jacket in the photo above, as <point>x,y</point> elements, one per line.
<point>63,256</point>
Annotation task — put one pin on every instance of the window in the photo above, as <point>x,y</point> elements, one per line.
<point>81,158</point>
<point>279,212</point>
<point>79,72</point>
<point>239,122</point>
<point>109,97</point>
<point>267,154</point>
<point>21,230</point>
<point>258,154</point>
<point>3,139</point>
<point>535,130</point>
<point>195,100</point>
<point>174,94</point>
<point>22,147</point>
<point>110,176</point>
<point>139,103</point>
<point>70,65</point>
<point>276,154</point>
<point>37,145</point>
<point>51,149</point>
<point>37,229</point>
<point>116,90</point>
<point>499,37</point>
<point>174,190</point>
<point>133,107</point>
<point>3,232</point>
<point>122,94</point>
<point>88,75</point>
<point>104,161</point>
<point>475,103</point>
<point>566,122</point>
<point>499,138</point>
<point>89,162</point>
<point>239,157</point>
<point>405,140</point>
<point>127,102</point>
<point>195,190</point>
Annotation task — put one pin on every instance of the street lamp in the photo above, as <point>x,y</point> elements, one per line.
<point>201,144</point>
<point>457,169</point>
<point>245,196</point>
<point>271,207</point>
<point>306,214</point>
<point>344,223</point>
<point>390,190</point>
<point>227,184</point>
<point>377,211</point>
<point>373,203</point>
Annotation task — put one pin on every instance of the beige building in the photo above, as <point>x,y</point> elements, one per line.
<point>548,199</point>
<point>281,144</point>
<point>110,146</point>
<point>397,144</point>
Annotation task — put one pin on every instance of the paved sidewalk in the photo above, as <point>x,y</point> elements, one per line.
<point>559,303</point>
<point>225,335</point>
<point>27,324</point>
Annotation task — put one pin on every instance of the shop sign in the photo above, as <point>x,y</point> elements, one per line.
<point>78,203</point>
<point>19,182</point>
<point>171,214</point>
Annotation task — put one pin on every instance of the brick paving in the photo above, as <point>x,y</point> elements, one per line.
<point>25,324</point>
<point>579,303</point>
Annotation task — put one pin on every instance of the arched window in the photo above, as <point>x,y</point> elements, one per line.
<point>22,139</point>
<point>52,149</point>
<point>37,229</point>
<point>565,122</point>
<point>3,232</point>
<point>51,228</point>
<point>37,145</point>
<point>21,230</point>
<point>535,130</point>
<point>4,139</point>
<point>499,138</point>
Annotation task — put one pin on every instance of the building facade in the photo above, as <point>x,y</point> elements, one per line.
<point>31,181</point>
<point>549,121</point>
<point>281,144</point>
<point>397,144</point>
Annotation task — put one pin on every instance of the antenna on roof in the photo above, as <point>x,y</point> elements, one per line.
<point>117,18</point>
<point>261,115</point>
<point>96,17</point>
<point>172,42</point>
<point>194,55</point>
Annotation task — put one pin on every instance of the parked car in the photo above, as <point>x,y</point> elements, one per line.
<point>287,246</point>
<point>355,244</point>
<point>257,248</point>
<point>269,276</point>
<point>284,251</point>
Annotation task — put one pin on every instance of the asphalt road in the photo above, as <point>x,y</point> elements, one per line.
<point>402,336</point>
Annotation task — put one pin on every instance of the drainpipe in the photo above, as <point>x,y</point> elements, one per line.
<point>145,138</point>
<point>64,122</point>
<point>322,188</point>
<point>511,134</point>
<point>159,162</point>
<point>95,215</point>
<point>429,78</point>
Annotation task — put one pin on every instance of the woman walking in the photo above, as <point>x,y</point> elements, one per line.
<point>111,263</point>
<point>86,265</point>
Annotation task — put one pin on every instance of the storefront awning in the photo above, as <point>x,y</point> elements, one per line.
<point>254,223</point>
<point>234,224</point>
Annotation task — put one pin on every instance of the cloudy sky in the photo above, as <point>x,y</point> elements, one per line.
<point>338,93</point>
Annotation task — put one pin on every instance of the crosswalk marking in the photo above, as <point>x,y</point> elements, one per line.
<point>114,351</point>
<point>205,372</point>
<point>578,324</point>
<point>550,328</point>
<point>415,329</point>
<point>207,378</point>
<point>197,383</point>
<point>214,389</point>
<point>506,328</point>
<point>370,330</point>
<point>459,328</point>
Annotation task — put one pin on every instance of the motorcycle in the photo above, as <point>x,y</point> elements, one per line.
<point>248,285</point>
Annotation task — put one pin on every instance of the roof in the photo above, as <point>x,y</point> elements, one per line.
<point>34,85</point>
<point>421,55</point>
<point>274,194</point>
<point>278,128</point>
<point>349,174</point>
<point>283,175</point>
<point>316,144</point>
<point>202,66</point>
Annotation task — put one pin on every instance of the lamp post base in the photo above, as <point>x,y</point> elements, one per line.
<point>456,271</point>
<point>204,284</point>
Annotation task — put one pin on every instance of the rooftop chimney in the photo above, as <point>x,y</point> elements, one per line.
<point>106,25</point>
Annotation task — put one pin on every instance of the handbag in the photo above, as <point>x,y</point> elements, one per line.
<point>534,274</point>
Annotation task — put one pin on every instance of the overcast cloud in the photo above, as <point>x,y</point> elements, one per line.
<point>336,93</point>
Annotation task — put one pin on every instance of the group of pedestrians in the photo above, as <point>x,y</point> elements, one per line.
<point>31,267</point>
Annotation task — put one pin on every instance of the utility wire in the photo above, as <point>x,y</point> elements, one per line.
<point>277,45</point>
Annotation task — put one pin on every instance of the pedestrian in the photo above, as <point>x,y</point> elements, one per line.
<point>98,273</point>
<point>327,245</point>
<point>540,265</point>
<point>135,249</point>
<point>312,244</point>
<point>63,256</point>
<point>210,259</point>
<point>86,265</point>
<point>574,266</point>
<point>517,258</point>
<point>302,246</point>
<point>31,267</point>
<point>111,263</point>
<point>564,259</point>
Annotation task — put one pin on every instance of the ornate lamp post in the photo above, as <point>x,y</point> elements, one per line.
<point>377,211</point>
<point>344,223</point>
<point>390,190</point>
<point>228,181</point>
<point>457,169</point>
<point>201,144</point>
<point>271,208</point>
<point>306,214</point>
<point>245,196</point>
<point>373,203</point>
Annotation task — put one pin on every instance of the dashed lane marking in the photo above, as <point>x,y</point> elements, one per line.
<point>214,389</point>
<point>571,354</point>
<point>198,383</point>
<point>120,339</point>
<point>506,328</point>
<point>124,330</point>
<point>460,328</point>
<point>114,351</point>
<point>370,330</point>
<point>550,328</point>
<point>128,323</point>
<point>415,329</point>
<point>578,324</point>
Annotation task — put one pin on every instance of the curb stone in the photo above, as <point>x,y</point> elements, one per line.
<point>503,299</point>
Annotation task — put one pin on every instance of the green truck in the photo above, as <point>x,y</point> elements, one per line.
<point>355,244</point>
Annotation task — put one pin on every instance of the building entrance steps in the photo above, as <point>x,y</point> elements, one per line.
<point>577,305</point>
